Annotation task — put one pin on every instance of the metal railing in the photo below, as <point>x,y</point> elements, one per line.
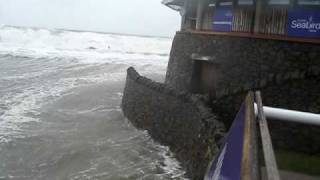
<point>238,158</point>
<point>290,115</point>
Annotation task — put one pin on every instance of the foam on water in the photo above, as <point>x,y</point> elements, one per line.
<point>88,46</point>
<point>73,48</point>
<point>40,66</point>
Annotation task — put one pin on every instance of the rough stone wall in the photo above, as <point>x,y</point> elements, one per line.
<point>244,63</point>
<point>300,95</point>
<point>177,119</point>
<point>288,73</point>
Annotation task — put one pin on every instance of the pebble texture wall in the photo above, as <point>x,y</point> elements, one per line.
<point>288,73</point>
<point>174,118</point>
<point>293,94</point>
<point>244,63</point>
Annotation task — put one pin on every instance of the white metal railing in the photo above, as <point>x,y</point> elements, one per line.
<point>290,115</point>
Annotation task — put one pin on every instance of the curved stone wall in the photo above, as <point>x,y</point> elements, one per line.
<point>287,73</point>
<point>174,118</point>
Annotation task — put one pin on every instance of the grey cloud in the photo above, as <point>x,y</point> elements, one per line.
<point>147,17</point>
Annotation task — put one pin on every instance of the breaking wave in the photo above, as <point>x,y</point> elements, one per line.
<point>57,86</point>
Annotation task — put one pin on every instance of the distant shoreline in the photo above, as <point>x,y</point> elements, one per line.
<point>98,32</point>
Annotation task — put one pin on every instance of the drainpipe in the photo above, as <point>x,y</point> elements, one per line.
<point>200,9</point>
<point>257,18</point>
<point>183,13</point>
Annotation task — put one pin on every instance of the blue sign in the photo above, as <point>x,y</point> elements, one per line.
<point>303,23</point>
<point>227,165</point>
<point>222,19</point>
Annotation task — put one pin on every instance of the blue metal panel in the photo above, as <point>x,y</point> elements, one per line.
<point>304,23</point>
<point>222,19</point>
<point>227,165</point>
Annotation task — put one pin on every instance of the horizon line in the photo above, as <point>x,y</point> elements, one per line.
<point>77,30</point>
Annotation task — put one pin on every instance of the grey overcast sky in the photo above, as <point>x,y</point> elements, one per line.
<point>147,17</point>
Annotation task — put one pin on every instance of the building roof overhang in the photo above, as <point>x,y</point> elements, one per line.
<point>174,4</point>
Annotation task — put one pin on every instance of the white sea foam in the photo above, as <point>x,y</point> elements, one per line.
<point>86,46</point>
<point>23,107</point>
<point>39,66</point>
<point>48,47</point>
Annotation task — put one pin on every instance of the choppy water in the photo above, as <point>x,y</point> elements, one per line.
<point>60,116</point>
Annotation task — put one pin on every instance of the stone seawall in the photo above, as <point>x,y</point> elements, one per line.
<point>174,118</point>
<point>243,63</point>
<point>299,95</point>
<point>287,73</point>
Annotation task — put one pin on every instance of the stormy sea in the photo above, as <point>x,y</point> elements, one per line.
<point>60,106</point>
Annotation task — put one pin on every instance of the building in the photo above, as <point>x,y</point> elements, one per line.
<point>224,49</point>
<point>289,18</point>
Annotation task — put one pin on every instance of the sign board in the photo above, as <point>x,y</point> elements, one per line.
<point>222,19</point>
<point>304,23</point>
<point>227,164</point>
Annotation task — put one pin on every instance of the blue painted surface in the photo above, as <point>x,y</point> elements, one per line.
<point>304,23</point>
<point>227,165</point>
<point>222,19</point>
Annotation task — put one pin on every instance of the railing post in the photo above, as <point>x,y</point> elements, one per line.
<point>250,166</point>
<point>269,157</point>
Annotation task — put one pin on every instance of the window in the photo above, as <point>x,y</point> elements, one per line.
<point>309,2</point>
<point>225,3</point>
<point>279,2</point>
<point>212,3</point>
<point>245,2</point>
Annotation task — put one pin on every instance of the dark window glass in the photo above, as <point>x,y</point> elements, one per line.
<point>212,3</point>
<point>245,2</point>
<point>279,2</point>
<point>226,3</point>
<point>309,2</point>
